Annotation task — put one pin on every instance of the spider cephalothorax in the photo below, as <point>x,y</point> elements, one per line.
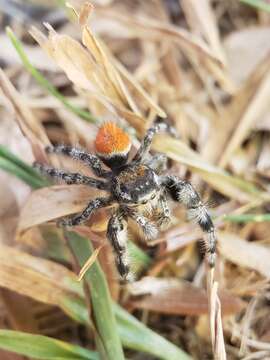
<point>138,188</point>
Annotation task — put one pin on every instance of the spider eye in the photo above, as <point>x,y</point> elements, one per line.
<point>144,202</point>
<point>153,196</point>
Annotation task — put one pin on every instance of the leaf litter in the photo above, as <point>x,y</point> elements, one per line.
<point>207,69</point>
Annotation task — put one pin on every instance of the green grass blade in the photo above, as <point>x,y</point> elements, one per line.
<point>13,169</point>
<point>100,298</point>
<point>44,82</point>
<point>8,155</point>
<point>139,259</point>
<point>134,335</point>
<point>43,347</point>
<point>246,218</point>
<point>259,4</point>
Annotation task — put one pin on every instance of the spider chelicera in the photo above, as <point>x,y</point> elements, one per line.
<point>138,188</point>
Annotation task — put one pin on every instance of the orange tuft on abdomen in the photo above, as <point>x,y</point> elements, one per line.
<point>111,140</point>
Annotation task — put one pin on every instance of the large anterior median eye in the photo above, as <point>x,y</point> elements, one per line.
<point>153,196</point>
<point>144,202</point>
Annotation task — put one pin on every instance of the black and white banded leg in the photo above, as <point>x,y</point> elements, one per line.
<point>164,217</point>
<point>147,140</point>
<point>90,160</point>
<point>158,163</point>
<point>149,230</point>
<point>117,235</point>
<point>86,213</point>
<point>183,192</point>
<point>70,178</point>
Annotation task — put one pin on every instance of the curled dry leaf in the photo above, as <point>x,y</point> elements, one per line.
<point>50,203</point>
<point>171,296</point>
<point>244,253</point>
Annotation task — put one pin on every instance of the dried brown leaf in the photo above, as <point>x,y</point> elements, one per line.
<point>171,296</point>
<point>19,311</point>
<point>48,204</point>
<point>244,253</point>
<point>35,277</point>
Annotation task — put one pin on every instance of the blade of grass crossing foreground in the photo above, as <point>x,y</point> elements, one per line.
<point>12,164</point>
<point>100,298</point>
<point>43,347</point>
<point>136,335</point>
<point>44,82</point>
<point>5,153</point>
<point>139,259</point>
<point>133,334</point>
<point>259,4</point>
<point>246,218</point>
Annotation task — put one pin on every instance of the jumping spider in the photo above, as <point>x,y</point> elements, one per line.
<point>138,187</point>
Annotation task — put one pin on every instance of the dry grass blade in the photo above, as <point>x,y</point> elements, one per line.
<point>256,109</point>
<point>25,118</point>
<point>89,263</point>
<point>215,319</point>
<point>201,19</point>
<point>220,180</point>
<point>154,29</point>
<point>85,12</point>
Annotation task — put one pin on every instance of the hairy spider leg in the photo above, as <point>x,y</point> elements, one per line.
<point>117,235</point>
<point>183,192</point>
<point>150,231</point>
<point>70,178</point>
<point>158,163</point>
<point>147,140</point>
<point>92,206</point>
<point>90,160</point>
<point>164,216</point>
